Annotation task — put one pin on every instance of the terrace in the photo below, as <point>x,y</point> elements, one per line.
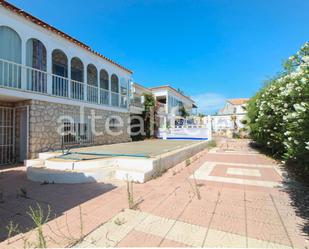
<point>30,68</point>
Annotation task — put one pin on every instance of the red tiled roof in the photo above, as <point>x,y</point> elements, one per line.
<point>45,25</point>
<point>240,101</point>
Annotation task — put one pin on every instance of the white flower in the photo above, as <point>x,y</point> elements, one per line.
<point>306,58</point>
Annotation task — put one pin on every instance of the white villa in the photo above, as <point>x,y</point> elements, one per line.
<point>230,116</point>
<point>46,74</point>
<point>168,100</point>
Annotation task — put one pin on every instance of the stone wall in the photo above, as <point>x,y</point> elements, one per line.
<point>44,125</point>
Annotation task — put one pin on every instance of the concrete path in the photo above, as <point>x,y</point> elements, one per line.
<point>230,196</point>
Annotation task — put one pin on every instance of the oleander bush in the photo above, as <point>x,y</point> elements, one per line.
<point>278,115</point>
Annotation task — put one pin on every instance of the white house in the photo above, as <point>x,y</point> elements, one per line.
<point>46,74</point>
<point>170,101</point>
<point>230,117</point>
<point>137,98</point>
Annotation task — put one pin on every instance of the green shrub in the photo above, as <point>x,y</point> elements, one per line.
<point>279,113</point>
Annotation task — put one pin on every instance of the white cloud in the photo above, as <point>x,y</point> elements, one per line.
<point>209,103</point>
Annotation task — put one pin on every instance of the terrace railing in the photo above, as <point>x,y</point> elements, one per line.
<point>104,96</point>
<point>115,99</point>
<point>19,77</point>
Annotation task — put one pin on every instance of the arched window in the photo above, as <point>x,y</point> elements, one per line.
<point>36,54</point>
<point>36,58</point>
<point>77,69</point>
<point>114,83</point>
<point>92,81</point>
<point>60,63</point>
<point>10,51</point>
<point>115,90</point>
<point>104,85</point>
<point>10,48</point>
<point>104,79</point>
<point>60,68</point>
<point>77,77</point>
<point>92,75</point>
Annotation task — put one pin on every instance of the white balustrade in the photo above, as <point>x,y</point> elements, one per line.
<point>104,97</point>
<point>92,94</point>
<point>115,99</point>
<point>13,74</point>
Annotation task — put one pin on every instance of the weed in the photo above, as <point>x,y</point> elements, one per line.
<point>211,144</point>
<point>12,229</point>
<point>37,215</point>
<point>130,194</point>
<point>23,193</point>
<point>119,221</point>
<point>188,162</point>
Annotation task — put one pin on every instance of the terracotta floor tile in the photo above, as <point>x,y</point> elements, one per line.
<point>228,224</point>
<point>268,232</point>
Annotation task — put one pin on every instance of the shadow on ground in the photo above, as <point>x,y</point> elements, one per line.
<point>296,186</point>
<point>299,194</point>
<point>18,194</point>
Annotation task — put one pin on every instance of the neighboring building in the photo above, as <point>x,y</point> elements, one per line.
<point>230,116</point>
<point>167,98</point>
<point>46,74</point>
<point>170,99</point>
<point>137,98</point>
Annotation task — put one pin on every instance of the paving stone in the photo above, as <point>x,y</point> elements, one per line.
<point>188,234</point>
<point>217,238</point>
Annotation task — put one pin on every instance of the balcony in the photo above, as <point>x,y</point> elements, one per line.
<point>22,78</point>
<point>136,106</point>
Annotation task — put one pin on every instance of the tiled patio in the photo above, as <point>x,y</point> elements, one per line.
<point>243,203</point>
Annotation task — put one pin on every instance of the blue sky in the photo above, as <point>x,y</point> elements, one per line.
<point>211,49</point>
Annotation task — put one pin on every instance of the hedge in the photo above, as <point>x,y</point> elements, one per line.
<point>278,115</point>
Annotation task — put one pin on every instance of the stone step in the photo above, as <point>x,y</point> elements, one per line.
<point>69,177</point>
<point>140,176</point>
<point>34,163</point>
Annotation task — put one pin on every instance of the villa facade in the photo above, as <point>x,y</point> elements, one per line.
<point>49,79</point>
<point>230,117</point>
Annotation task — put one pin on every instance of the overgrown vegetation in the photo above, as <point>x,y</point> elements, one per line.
<point>183,112</point>
<point>12,229</point>
<point>279,113</point>
<point>149,114</point>
<point>211,144</point>
<point>38,217</point>
<point>130,194</point>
